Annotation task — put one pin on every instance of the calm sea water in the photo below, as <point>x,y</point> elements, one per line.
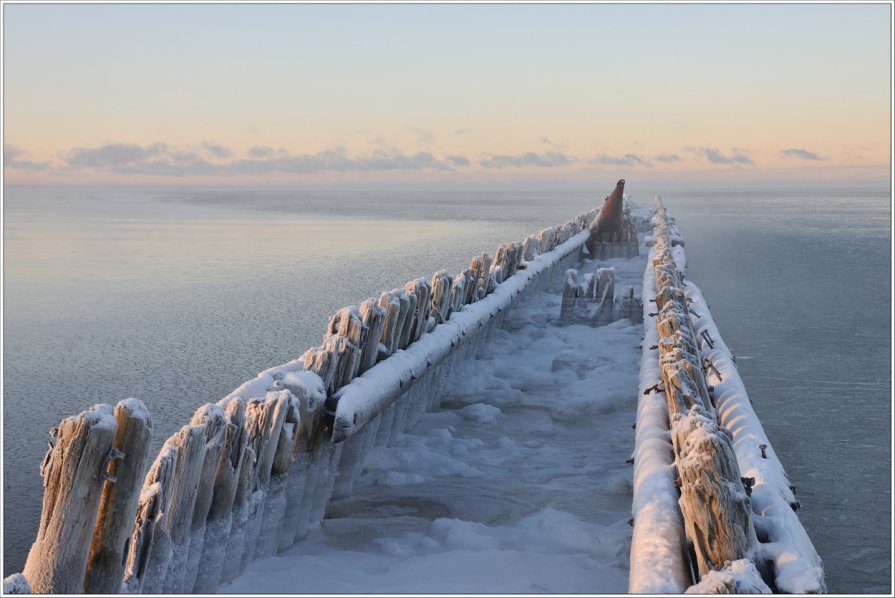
<point>177,296</point>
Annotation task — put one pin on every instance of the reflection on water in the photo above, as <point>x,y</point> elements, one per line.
<point>177,296</point>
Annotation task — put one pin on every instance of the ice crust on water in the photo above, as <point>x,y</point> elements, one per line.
<point>518,483</point>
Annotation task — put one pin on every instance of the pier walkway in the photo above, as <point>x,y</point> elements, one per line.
<point>519,482</point>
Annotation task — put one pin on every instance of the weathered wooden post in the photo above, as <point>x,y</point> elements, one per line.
<point>264,420</point>
<point>121,492</point>
<point>569,295</point>
<point>216,428</point>
<point>373,318</point>
<point>149,546</point>
<point>220,513</point>
<point>73,473</point>
<point>287,446</point>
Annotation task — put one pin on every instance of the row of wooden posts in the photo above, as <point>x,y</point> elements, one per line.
<point>714,501</point>
<point>247,476</point>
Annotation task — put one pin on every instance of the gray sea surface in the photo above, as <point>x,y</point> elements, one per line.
<point>177,295</point>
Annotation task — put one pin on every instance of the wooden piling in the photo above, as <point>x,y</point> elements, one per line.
<point>569,295</point>
<point>149,546</point>
<point>373,319</point>
<point>216,426</point>
<point>220,512</point>
<point>120,495</point>
<point>72,472</point>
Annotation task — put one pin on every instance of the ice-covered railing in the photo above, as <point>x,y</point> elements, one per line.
<point>712,503</point>
<point>250,475</point>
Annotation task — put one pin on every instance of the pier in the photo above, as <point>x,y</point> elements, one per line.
<point>250,476</point>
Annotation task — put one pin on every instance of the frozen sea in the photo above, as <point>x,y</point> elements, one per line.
<point>176,296</point>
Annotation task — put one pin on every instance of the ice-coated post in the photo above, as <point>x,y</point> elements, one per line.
<point>569,295</point>
<point>118,504</point>
<point>73,482</point>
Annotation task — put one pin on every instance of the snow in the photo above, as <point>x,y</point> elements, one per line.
<point>516,483</point>
<point>136,409</point>
<point>16,584</point>
<point>737,577</point>
<point>99,417</point>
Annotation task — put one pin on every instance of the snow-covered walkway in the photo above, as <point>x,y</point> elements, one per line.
<point>518,483</point>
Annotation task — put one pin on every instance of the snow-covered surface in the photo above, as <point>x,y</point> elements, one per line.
<point>737,577</point>
<point>136,409</point>
<point>517,483</point>
<point>16,584</point>
<point>368,395</point>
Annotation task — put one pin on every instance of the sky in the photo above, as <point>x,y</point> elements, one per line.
<point>453,93</point>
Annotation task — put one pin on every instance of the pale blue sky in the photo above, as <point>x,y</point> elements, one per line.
<point>593,83</point>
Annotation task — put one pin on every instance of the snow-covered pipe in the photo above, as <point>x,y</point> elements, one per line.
<point>369,394</point>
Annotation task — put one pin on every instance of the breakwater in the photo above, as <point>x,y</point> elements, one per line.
<point>346,407</point>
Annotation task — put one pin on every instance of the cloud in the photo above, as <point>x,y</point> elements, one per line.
<point>12,159</point>
<point>457,160</point>
<point>626,160</point>
<point>113,155</point>
<point>667,158</point>
<point>545,160</point>
<point>804,154</point>
<point>463,131</point>
<point>12,152</point>
<point>159,159</point>
<point>382,159</point>
<point>716,157</point>
<point>216,151</point>
<point>260,151</point>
